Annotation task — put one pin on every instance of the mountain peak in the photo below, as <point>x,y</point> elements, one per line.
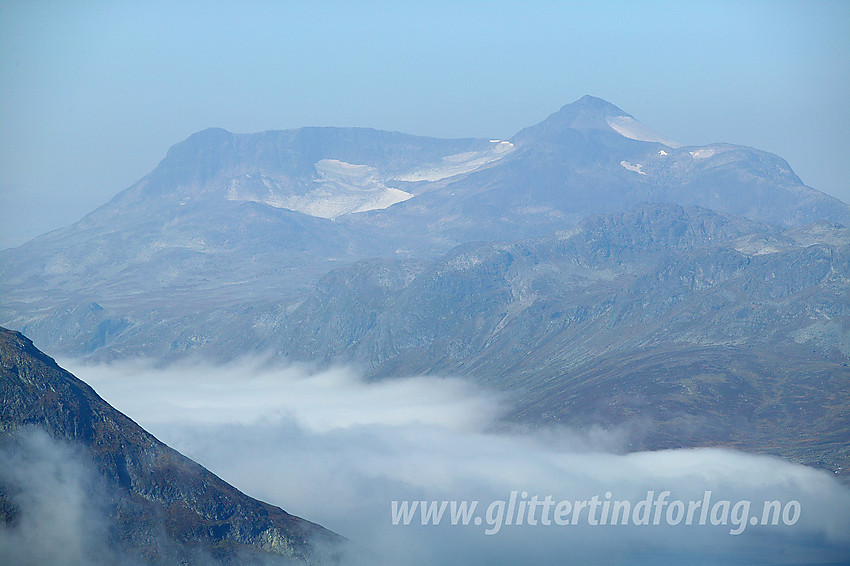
<point>199,142</point>
<point>595,105</point>
<point>593,114</point>
<point>586,113</point>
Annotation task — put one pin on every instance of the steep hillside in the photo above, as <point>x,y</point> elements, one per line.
<point>162,507</point>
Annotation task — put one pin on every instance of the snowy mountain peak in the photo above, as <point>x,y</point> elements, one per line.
<point>588,103</point>
<point>592,114</point>
<point>586,113</point>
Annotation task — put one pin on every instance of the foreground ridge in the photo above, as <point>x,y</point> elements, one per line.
<point>162,506</point>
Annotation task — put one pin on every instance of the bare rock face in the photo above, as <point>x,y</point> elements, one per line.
<point>162,507</point>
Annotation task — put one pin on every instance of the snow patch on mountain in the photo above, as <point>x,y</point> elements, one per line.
<point>758,244</point>
<point>459,163</point>
<point>636,167</point>
<point>630,128</point>
<point>339,188</point>
<point>704,153</point>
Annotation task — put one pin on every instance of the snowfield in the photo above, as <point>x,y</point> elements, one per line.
<point>460,163</point>
<point>636,167</point>
<point>703,153</point>
<point>630,128</point>
<point>340,188</point>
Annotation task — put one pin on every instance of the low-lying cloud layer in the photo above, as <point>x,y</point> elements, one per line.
<point>337,450</point>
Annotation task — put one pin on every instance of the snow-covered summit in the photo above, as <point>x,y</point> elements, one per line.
<point>591,115</point>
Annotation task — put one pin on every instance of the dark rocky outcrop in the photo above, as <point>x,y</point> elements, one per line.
<point>163,506</point>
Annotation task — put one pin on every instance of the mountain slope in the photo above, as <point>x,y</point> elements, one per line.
<point>602,273</point>
<point>234,223</point>
<point>592,157</point>
<point>686,326</point>
<point>152,487</point>
<point>693,327</point>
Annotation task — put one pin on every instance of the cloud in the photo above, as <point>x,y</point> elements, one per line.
<point>249,391</point>
<point>57,509</point>
<point>61,515</point>
<point>338,450</point>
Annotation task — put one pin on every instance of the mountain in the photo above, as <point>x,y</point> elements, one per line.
<point>207,229</point>
<point>231,223</point>
<point>686,326</point>
<point>160,506</point>
<point>601,273</point>
<point>592,157</point>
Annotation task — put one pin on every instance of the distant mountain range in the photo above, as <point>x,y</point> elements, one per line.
<point>602,273</point>
<point>692,327</point>
<point>160,507</point>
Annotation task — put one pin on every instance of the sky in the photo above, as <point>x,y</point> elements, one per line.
<point>92,94</point>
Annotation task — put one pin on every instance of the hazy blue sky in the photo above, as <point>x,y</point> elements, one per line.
<point>94,93</point>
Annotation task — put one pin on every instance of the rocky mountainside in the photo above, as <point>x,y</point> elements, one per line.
<point>240,220</point>
<point>687,326</point>
<point>162,508</point>
<point>691,327</point>
<point>601,272</point>
<point>592,157</point>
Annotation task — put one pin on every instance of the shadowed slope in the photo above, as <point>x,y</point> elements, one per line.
<point>165,506</point>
